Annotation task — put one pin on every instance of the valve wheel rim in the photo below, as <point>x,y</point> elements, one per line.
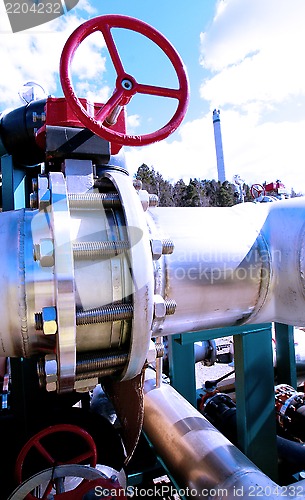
<point>122,94</point>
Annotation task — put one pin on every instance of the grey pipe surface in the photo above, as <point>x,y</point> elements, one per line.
<point>204,463</point>
<point>233,266</point>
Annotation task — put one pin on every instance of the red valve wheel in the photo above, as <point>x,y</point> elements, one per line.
<point>126,86</point>
<point>257,190</point>
<point>52,458</point>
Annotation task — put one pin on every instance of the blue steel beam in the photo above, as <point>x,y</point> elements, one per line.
<point>13,185</point>
<point>286,372</point>
<point>255,408</point>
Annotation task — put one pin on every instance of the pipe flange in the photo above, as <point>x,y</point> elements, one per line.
<point>64,283</point>
<point>142,273</point>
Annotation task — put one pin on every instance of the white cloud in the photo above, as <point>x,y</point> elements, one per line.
<point>254,51</point>
<point>34,54</point>
<point>252,54</point>
<point>133,121</point>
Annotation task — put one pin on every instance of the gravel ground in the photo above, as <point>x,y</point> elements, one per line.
<point>204,373</point>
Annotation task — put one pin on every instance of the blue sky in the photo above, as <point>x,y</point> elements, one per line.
<point>244,57</point>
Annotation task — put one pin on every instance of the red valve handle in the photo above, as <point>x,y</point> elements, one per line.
<point>126,86</point>
<point>36,442</point>
<point>257,190</point>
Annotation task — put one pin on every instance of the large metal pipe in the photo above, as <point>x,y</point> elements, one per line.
<point>203,462</point>
<point>233,266</point>
<point>229,266</point>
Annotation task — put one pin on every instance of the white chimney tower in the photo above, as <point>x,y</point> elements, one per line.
<point>218,146</point>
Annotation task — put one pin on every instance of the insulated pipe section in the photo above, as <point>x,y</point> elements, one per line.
<point>233,266</point>
<point>202,461</point>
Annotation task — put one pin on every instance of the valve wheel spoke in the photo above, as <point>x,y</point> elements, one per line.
<point>159,91</point>
<point>111,104</point>
<point>112,49</point>
<point>42,450</point>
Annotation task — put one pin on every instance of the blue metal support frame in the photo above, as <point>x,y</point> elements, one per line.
<point>254,387</point>
<point>182,367</point>
<point>286,372</point>
<point>13,185</point>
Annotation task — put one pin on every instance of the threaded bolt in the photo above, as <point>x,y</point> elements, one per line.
<point>167,247</point>
<point>38,321</point>
<point>96,249</point>
<point>170,306</point>
<point>163,307</point>
<point>96,362</point>
<point>93,200</point>
<point>104,314</point>
<point>159,349</point>
<point>105,372</point>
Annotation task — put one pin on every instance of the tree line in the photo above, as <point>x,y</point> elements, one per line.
<point>197,193</point>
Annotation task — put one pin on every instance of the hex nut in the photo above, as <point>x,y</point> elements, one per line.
<point>144,198</point>
<point>153,200</point>
<point>33,200</point>
<point>137,184</point>
<point>156,248</point>
<point>159,307</point>
<point>51,372</point>
<point>46,252</point>
<point>44,195</point>
<point>44,199</point>
<point>35,184</point>
<point>49,320</point>
<point>151,355</point>
<point>85,385</point>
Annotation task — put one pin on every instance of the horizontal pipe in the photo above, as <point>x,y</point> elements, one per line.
<point>202,461</point>
<point>233,266</point>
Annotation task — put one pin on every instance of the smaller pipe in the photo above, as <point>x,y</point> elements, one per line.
<point>202,461</point>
